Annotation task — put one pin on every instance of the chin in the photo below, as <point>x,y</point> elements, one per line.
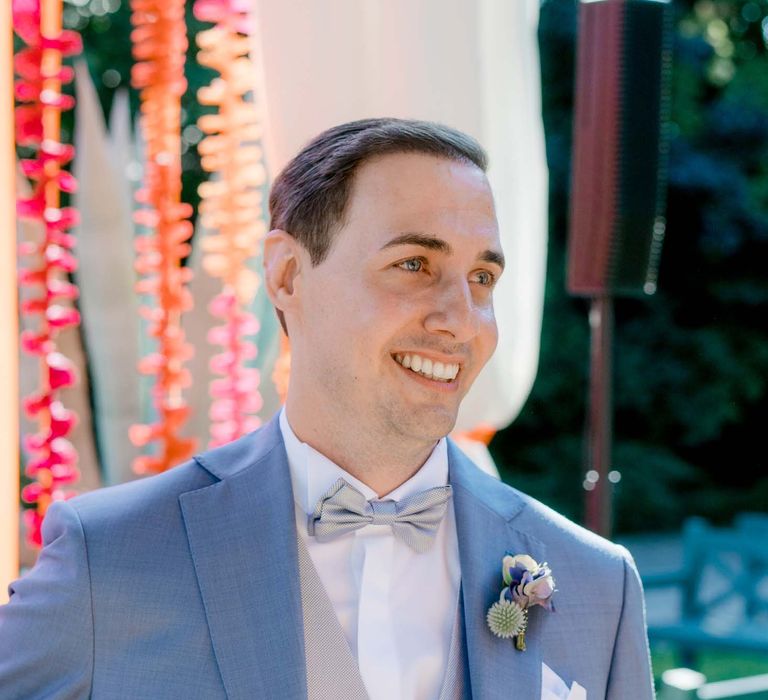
<point>428,424</point>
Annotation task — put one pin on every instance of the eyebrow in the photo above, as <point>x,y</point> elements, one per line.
<point>438,244</point>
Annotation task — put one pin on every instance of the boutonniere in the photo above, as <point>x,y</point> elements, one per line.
<point>526,583</point>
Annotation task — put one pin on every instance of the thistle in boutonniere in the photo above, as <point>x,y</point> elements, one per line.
<point>526,583</point>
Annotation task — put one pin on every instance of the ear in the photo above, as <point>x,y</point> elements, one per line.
<point>282,265</point>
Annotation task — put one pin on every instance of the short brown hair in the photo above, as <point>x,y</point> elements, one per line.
<point>309,197</point>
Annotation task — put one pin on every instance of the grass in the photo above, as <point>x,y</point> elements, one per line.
<point>716,666</point>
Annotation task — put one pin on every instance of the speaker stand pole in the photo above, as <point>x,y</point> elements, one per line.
<point>598,494</point>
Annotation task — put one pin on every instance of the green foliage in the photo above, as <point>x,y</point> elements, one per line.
<point>691,363</point>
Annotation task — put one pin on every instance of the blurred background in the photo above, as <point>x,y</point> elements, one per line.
<point>690,362</point>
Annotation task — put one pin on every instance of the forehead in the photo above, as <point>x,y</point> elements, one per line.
<point>419,192</point>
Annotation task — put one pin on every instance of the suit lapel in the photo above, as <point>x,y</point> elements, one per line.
<point>242,536</point>
<point>485,512</point>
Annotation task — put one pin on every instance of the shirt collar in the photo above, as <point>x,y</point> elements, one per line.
<point>312,473</point>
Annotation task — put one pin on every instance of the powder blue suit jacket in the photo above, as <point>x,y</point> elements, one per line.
<point>185,585</point>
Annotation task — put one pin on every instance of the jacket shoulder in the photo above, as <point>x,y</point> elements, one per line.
<point>134,498</point>
<point>564,534</point>
<point>159,494</point>
<point>537,520</point>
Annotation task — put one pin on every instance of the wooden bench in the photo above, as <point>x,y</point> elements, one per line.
<point>685,684</point>
<point>723,589</point>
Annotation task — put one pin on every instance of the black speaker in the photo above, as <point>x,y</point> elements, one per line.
<point>619,146</point>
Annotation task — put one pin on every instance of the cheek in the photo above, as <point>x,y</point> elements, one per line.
<point>383,306</point>
<point>489,332</point>
<point>328,302</point>
<point>352,326</point>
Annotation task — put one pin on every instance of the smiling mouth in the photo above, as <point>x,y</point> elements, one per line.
<point>423,366</point>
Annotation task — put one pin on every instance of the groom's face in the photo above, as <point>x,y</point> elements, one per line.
<point>398,319</point>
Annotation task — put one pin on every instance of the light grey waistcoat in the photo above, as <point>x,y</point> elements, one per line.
<point>332,671</point>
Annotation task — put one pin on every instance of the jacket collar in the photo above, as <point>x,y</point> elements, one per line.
<point>242,537</point>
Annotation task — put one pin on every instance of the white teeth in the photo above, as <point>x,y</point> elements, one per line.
<point>428,368</point>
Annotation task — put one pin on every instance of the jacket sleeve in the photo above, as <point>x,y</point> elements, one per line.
<point>46,629</point>
<point>630,676</point>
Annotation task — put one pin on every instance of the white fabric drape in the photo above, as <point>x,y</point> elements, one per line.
<point>105,275</point>
<point>470,65</point>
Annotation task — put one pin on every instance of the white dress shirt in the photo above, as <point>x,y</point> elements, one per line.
<point>396,606</point>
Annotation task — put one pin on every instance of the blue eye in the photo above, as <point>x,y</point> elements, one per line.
<point>485,278</point>
<point>412,265</point>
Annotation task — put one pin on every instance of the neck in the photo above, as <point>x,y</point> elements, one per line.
<point>382,462</point>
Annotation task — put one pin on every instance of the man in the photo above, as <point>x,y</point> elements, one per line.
<point>346,549</point>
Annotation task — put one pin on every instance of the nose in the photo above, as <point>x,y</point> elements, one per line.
<point>454,311</point>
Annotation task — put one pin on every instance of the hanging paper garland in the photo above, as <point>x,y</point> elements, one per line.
<point>231,206</point>
<point>159,47</point>
<point>52,457</point>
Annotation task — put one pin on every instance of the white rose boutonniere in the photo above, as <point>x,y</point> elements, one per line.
<point>526,583</point>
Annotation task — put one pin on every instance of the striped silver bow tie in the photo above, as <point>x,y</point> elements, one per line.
<point>414,520</point>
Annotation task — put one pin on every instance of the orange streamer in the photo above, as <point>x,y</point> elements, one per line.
<point>159,46</point>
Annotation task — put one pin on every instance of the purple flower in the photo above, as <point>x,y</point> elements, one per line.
<point>527,582</point>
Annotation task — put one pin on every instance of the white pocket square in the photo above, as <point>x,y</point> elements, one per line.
<point>554,688</point>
